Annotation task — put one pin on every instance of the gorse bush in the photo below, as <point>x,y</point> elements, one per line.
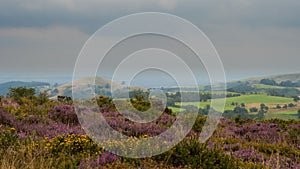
<point>72,144</point>
<point>105,103</point>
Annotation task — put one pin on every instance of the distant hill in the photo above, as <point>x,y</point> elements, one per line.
<point>278,78</point>
<point>249,81</point>
<point>278,85</point>
<point>102,86</point>
<point>4,87</point>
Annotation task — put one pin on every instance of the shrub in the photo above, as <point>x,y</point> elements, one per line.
<point>20,92</point>
<point>291,105</point>
<point>72,144</point>
<point>8,138</point>
<point>190,152</point>
<point>285,106</point>
<point>199,123</point>
<point>105,103</point>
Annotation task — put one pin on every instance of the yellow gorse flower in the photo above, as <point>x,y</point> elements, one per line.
<point>12,129</point>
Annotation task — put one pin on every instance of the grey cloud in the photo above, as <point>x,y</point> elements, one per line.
<point>51,50</point>
<point>252,36</point>
<point>90,15</point>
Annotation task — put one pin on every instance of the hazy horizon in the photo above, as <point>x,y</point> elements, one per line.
<point>63,79</point>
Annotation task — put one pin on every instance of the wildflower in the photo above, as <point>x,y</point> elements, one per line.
<point>12,130</point>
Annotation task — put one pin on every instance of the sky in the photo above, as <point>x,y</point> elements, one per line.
<point>41,40</point>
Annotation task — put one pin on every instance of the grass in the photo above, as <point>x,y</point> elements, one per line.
<point>259,98</point>
<point>175,109</point>
<point>247,99</point>
<point>283,115</point>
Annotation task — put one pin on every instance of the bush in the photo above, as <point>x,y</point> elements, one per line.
<point>72,144</point>
<point>291,105</point>
<point>190,152</point>
<point>105,103</point>
<point>21,92</point>
<point>199,123</point>
<point>8,138</point>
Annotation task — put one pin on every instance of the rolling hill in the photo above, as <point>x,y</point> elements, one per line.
<point>255,82</point>
<point>102,86</point>
<point>278,78</point>
<point>4,87</point>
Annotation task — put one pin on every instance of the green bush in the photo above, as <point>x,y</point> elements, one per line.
<point>190,152</point>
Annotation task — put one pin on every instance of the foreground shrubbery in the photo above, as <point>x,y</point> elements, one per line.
<point>53,138</point>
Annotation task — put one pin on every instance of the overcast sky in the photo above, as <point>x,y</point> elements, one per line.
<point>253,37</point>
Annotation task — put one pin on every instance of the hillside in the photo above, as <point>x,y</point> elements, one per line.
<point>256,80</point>
<point>278,78</point>
<point>102,86</point>
<point>4,87</point>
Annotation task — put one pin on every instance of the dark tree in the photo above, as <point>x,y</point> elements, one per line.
<point>291,105</point>
<point>264,107</point>
<point>278,106</point>
<point>287,83</point>
<point>296,98</point>
<point>268,82</point>
<point>107,85</point>
<point>241,111</point>
<point>253,109</point>
<point>261,114</point>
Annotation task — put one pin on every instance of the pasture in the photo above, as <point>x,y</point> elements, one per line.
<point>253,100</point>
<point>285,115</point>
<point>246,99</point>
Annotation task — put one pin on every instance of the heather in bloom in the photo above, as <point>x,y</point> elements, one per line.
<point>6,118</point>
<point>58,137</point>
<point>248,154</point>
<point>104,159</point>
<point>64,113</point>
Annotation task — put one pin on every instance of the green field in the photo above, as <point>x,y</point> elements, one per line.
<point>283,115</point>
<point>175,109</point>
<point>259,98</point>
<point>247,99</point>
